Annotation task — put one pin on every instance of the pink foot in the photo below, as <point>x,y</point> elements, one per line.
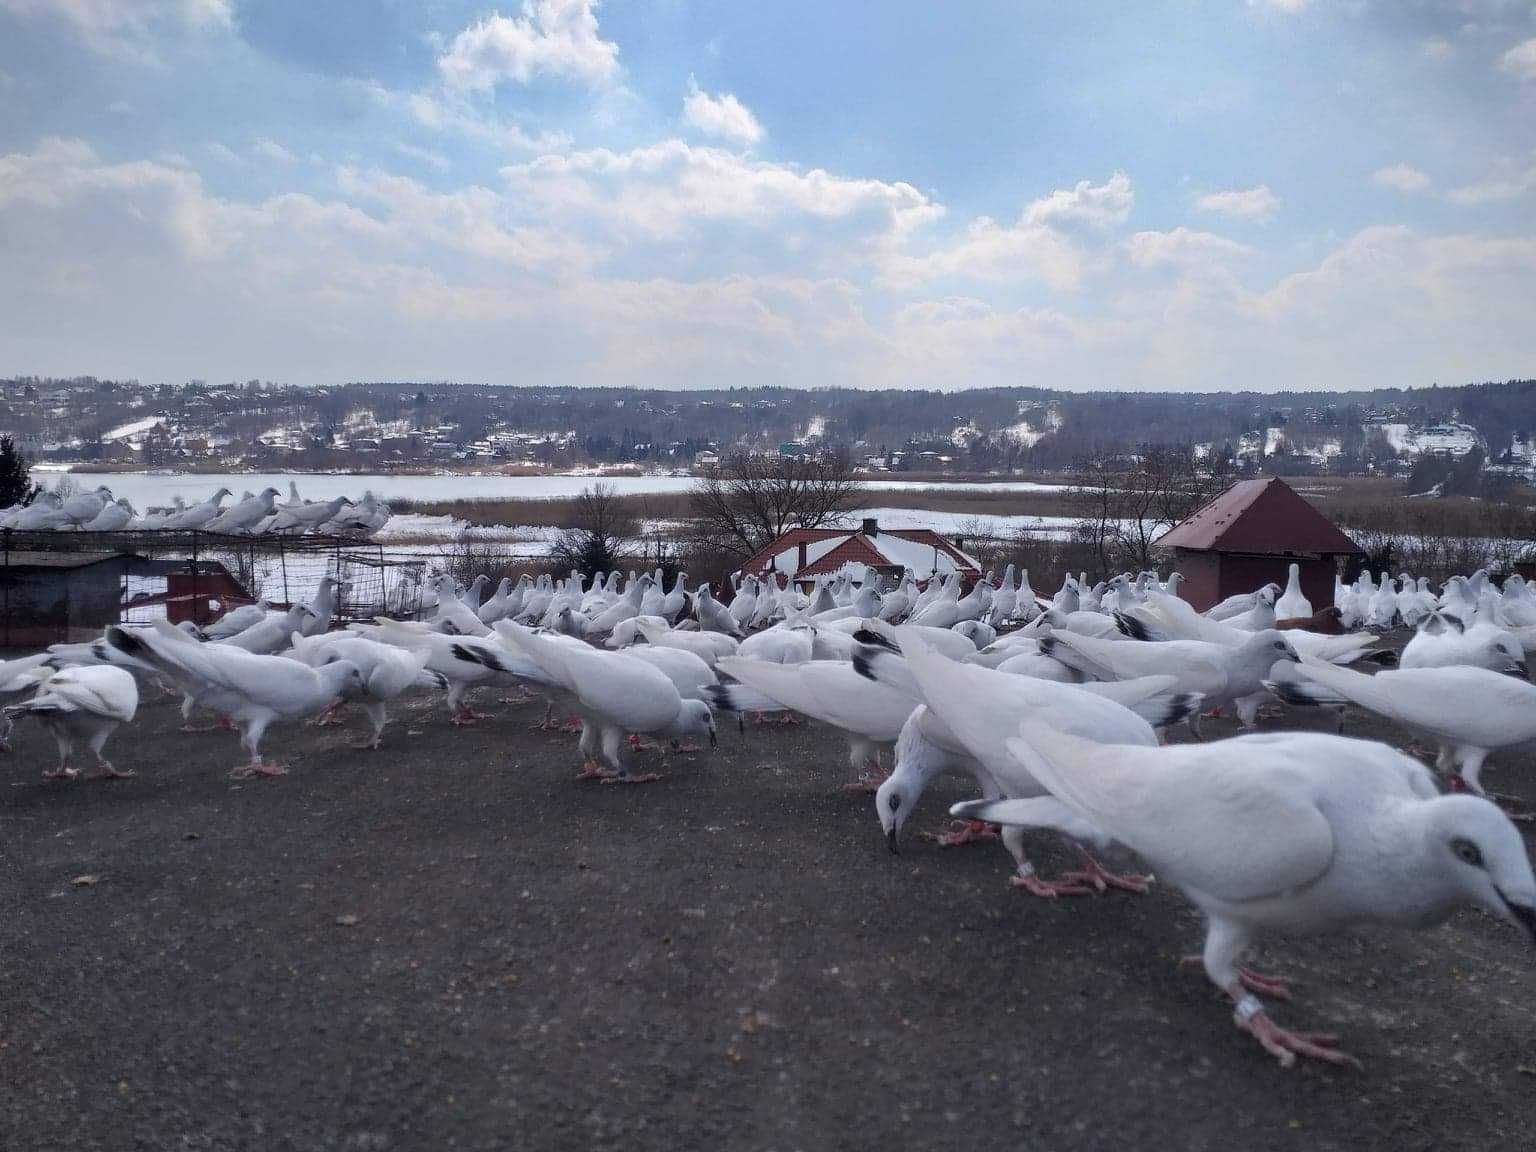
<point>684,749</point>
<point>1048,889</point>
<point>864,785</point>
<point>1285,1046</point>
<point>61,774</point>
<point>326,719</point>
<point>258,768</point>
<point>465,717</point>
<point>193,728</point>
<point>1094,873</point>
<point>646,778</point>
<point>106,771</point>
<point>592,770</point>
<point>970,832</point>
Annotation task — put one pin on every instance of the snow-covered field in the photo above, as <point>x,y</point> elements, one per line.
<point>145,489</point>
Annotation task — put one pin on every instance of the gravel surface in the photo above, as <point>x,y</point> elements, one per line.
<point>452,943</point>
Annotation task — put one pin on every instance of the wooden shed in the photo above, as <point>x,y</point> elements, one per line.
<point>1249,536</point>
<point>52,597</point>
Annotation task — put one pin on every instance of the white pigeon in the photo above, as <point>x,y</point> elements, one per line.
<point>387,672</point>
<point>113,517</point>
<point>970,700</point>
<point>198,515</point>
<point>707,646</point>
<point>1443,641</point>
<point>241,517</point>
<point>83,507</point>
<point>249,690</point>
<point>712,615</point>
<point>237,620</point>
<point>269,635</point>
<point>870,715</point>
<point>1220,673</point>
<point>617,694</point>
<point>1469,712</point>
<point>1284,832</point>
<point>1293,605</point>
<point>83,704</point>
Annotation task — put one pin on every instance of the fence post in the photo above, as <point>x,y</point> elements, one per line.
<point>195,612</point>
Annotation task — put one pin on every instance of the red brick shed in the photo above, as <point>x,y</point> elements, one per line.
<point>1249,536</point>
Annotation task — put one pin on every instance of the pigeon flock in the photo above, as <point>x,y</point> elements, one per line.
<point>1054,707</point>
<point>255,514</point>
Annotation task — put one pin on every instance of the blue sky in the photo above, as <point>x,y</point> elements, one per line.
<point>1179,195</point>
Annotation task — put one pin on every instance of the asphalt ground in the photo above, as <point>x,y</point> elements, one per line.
<point>453,943</point>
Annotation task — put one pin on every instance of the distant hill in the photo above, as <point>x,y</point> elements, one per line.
<point>988,429</point>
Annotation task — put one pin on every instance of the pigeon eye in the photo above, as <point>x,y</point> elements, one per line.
<point>1467,852</point>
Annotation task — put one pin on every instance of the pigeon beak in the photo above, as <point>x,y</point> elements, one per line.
<point>713,742</point>
<point>741,725</point>
<point>892,843</point>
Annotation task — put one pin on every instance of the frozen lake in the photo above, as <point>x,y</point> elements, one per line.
<point>144,489</point>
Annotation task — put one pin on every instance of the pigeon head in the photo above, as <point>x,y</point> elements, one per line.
<point>695,719</point>
<point>1483,855</point>
<point>894,802</point>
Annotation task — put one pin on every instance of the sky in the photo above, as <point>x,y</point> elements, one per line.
<point>1174,195</point>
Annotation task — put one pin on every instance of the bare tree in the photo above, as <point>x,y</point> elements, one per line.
<point>1135,499</point>
<point>749,501</point>
<point>602,533</point>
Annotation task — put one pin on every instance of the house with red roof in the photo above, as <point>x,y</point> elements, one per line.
<point>802,554</point>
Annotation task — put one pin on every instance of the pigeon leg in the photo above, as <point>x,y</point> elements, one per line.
<point>963,832</point>
<point>1256,982</point>
<point>467,716</point>
<point>1095,874</point>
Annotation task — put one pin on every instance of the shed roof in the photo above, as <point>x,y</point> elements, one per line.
<point>1263,517</point>
<point>829,549</point>
<point>57,559</point>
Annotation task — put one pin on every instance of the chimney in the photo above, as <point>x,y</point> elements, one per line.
<point>871,526</point>
<point>800,560</point>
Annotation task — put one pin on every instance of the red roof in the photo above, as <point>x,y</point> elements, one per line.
<point>850,546</point>
<point>1260,517</point>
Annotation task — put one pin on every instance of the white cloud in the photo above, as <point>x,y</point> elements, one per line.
<point>1403,177</point>
<point>1512,183</point>
<point>1521,60</point>
<point>666,190</point>
<point>722,116</point>
<point>1182,246</point>
<point>1098,206</point>
<point>1036,247</point>
<point>1244,203</point>
<point>269,149</point>
<point>137,268</point>
<point>1438,48</point>
<point>128,27</point>
<point>1287,6</point>
<point>556,38</point>
<point>423,155</point>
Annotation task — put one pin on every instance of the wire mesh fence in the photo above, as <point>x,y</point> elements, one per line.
<point>185,575</point>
